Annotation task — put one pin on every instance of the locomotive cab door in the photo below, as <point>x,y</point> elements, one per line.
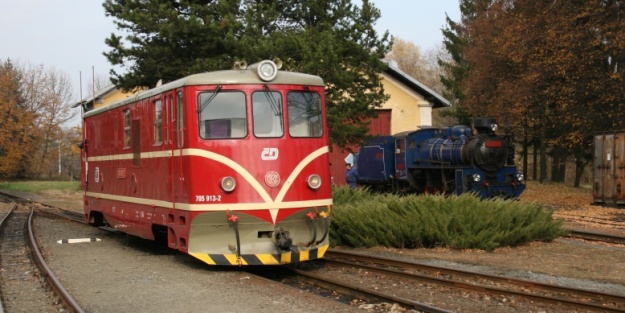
<point>400,159</point>
<point>178,136</point>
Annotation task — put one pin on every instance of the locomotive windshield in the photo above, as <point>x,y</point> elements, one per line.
<point>267,114</point>
<point>222,115</point>
<point>304,109</point>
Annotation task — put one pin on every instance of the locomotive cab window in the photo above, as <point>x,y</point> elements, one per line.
<point>304,109</point>
<point>179,120</point>
<point>158,122</point>
<point>400,145</point>
<point>222,115</point>
<point>267,114</point>
<point>127,129</point>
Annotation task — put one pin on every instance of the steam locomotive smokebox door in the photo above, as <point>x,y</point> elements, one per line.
<point>375,159</point>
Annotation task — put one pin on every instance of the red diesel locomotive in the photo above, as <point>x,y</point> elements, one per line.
<point>231,166</point>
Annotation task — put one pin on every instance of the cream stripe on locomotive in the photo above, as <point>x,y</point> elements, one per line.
<point>214,207</point>
<point>272,205</point>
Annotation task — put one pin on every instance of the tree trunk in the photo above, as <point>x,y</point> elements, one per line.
<point>543,156</point>
<point>535,165</point>
<point>525,149</point>
<point>558,165</point>
<point>580,164</point>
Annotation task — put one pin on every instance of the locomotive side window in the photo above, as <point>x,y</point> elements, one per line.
<point>127,129</point>
<point>267,114</point>
<point>222,115</point>
<point>180,119</point>
<point>304,109</point>
<point>158,122</point>
<point>400,145</point>
<point>136,142</point>
<point>170,119</point>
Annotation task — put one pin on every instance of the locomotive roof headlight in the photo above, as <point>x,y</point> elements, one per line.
<point>314,181</point>
<point>493,127</point>
<point>476,178</point>
<point>267,70</point>
<point>519,177</point>
<point>228,184</point>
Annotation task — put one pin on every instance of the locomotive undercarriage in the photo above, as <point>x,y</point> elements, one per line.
<point>448,181</point>
<point>433,181</point>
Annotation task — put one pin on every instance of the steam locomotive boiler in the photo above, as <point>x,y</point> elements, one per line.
<point>450,160</point>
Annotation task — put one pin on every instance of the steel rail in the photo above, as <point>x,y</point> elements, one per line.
<point>344,288</point>
<point>596,236</point>
<point>47,272</point>
<point>2,224</point>
<point>354,259</point>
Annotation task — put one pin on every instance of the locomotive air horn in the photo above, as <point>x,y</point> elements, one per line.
<point>278,63</point>
<point>240,65</point>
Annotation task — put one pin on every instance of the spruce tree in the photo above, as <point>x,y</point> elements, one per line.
<point>330,38</point>
<point>166,40</point>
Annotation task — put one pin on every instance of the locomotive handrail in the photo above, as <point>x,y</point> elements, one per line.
<point>433,161</point>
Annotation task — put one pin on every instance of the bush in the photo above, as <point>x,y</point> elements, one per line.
<point>363,219</point>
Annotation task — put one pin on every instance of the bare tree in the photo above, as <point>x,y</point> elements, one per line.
<point>47,94</point>
<point>424,67</point>
<point>408,57</point>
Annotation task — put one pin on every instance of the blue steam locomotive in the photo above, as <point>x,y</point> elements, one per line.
<point>450,160</point>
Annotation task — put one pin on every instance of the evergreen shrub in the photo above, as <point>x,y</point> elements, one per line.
<point>364,219</point>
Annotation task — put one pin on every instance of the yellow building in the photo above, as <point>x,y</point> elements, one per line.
<point>410,103</point>
<point>103,97</point>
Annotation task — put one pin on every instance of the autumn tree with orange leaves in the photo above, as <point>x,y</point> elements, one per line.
<point>34,105</point>
<point>550,71</point>
<point>16,139</point>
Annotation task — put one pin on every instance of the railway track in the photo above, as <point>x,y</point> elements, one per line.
<point>589,301</point>
<point>596,236</point>
<point>28,284</point>
<point>557,296</point>
<point>369,295</point>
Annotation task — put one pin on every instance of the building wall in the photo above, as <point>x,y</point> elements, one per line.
<point>380,126</point>
<point>111,97</point>
<point>409,109</point>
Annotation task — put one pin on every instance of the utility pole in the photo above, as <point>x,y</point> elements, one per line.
<point>59,158</point>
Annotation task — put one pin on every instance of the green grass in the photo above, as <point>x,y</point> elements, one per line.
<point>362,219</point>
<point>37,186</point>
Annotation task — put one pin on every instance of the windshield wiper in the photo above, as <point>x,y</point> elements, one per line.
<point>311,102</point>
<point>275,106</point>
<point>205,103</point>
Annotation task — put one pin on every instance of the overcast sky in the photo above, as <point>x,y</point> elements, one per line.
<point>69,34</point>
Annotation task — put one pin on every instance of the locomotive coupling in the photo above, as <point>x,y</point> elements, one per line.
<point>282,239</point>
